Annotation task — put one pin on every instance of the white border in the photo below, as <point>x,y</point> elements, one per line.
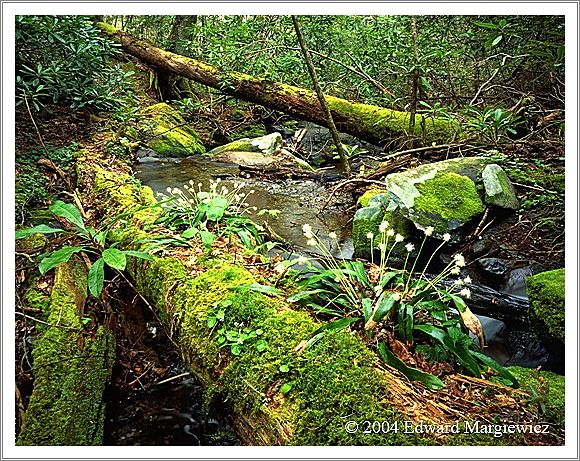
<point>424,8</point>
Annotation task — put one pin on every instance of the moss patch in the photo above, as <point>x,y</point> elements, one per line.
<point>546,292</point>
<point>70,374</point>
<point>364,199</point>
<point>448,200</point>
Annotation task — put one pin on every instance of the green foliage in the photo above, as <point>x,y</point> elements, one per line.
<point>210,214</point>
<point>90,240</point>
<point>492,125</point>
<point>417,310</point>
<point>31,185</point>
<point>66,60</point>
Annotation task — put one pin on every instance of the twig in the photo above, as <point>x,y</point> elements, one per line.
<point>46,323</point>
<point>34,123</point>
<point>173,378</point>
<point>483,86</point>
<point>535,188</point>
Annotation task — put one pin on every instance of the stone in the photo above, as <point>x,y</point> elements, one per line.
<point>482,246</point>
<point>267,145</point>
<point>250,159</point>
<point>364,199</point>
<point>547,306</point>
<point>499,190</point>
<point>163,130</point>
<point>494,266</point>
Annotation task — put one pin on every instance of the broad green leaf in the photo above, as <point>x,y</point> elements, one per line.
<point>432,331</point>
<point>207,238</point>
<point>367,309</point>
<point>115,258</point>
<point>216,208</point>
<point>385,279</point>
<point>286,388</point>
<point>245,238</point>
<point>190,232</point>
<point>96,277</point>
<point>261,288</point>
<point>335,325</point>
<point>496,40</point>
<point>40,229</point>
<point>491,363</point>
<point>138,254</point>
<point>261,345</point>
<point>69,212</point>
<point>58,257</point>
<point>211,321</point>
<point>430,381</point>
<point>236,349</point>
<point>385,306</point>
<point>305,295</point>
<point>284,368</point>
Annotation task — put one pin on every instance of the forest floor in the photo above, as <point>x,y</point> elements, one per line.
<point>535,234</point>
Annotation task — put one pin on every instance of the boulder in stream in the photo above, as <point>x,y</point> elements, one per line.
<point>547,306</point>
<point>445,195</point>
<point>267,145</point>
<point>163,130</point>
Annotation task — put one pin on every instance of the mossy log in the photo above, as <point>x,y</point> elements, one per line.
<point>71,369</point>
<point>375,124</point>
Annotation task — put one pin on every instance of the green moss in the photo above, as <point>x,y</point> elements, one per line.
<point>251,131</point>
<point>164,130</point>
<point>547,392</point>
<point>66,406</point>
<point>107,28</point>
<point>449,196</point>
<point>363,200</point>
<point>546,292</point>
<point>32,243</point>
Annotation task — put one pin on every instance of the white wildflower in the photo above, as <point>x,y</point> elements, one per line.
<point>459,260</point>
<point>446,237</point>
<point>382,246</point>
<point>467,279</point>
<point>455,271</point>
<point>390,232</point>
<point>280,268</point>
<point>429,231</point>
<point>191,182</point>
<point>399,238</point>
<point>383,227</point>
<point>252,191</point>
<point>332,235</point>
<point>458,282</point>
<point>169,189</point>
<point>311,242</point>
<point>306,228</point>
<point>466,293</point>
<point>302,260</point>
<point>378,290</point>
<point>370,235</point>
<point>409,247</point>
<point>396,296</point>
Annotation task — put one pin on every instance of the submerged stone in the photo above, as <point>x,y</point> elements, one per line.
<point>163,130</point>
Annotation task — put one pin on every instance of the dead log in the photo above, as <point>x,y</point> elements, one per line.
<point>71,369</point>
<point>375,124</point>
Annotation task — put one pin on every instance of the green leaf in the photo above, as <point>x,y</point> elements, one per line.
<point>211,321</point>
<point>216,208</point>
<point>335,325</point>
<point>236,349</point>
<point>40,229</point>
<point>286,388</point>
<point>385,306</point>
<point>496,40</point>
<point>138,254</point>
<point>367,308</point>
<point>305,295</point>
<point>385,279</point>
<point>261,345</point>
<point>284,368</point>
<point>115,258</point>
<point>96,277</point>
<point>261,288</point>
<point>502,371</point>
<point>69,212</point>
<point>58,257</point>
<point>190,232</point>
<point>207,238</point>
<point>430,381</point>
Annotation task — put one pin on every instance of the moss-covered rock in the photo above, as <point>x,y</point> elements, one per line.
<point>444,195</point>
<point>499,190</point>
<point>267,145</point>
<point>31,244</point>
<point>364,199</point>
<point>70,370</point>
<point>546,292</point>
<point>164,130</point>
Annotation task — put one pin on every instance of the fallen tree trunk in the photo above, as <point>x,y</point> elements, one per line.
<point>372,123</point>
<point>71,370</point>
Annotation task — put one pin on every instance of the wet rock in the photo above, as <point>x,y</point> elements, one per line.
<point>493,266</point>
<point>250,159</point>
<point>267,145</point>
<point>547,306</point>
<point>526,350</point>
<point>515,282</point>
<point>483,246</point>
<point>499,190</point>
<point>164,131</point>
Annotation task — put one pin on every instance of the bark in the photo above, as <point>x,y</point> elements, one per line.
<point>371,123</point>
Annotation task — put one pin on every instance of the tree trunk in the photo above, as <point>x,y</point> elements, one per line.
<point>371,123</point>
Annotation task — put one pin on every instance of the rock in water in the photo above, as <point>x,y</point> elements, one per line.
<point>499,190</point>
<point>267,145</point>
<point>444,195</point>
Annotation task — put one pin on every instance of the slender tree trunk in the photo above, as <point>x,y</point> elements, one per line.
<point>329,121</point>
<point>415,84</point>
